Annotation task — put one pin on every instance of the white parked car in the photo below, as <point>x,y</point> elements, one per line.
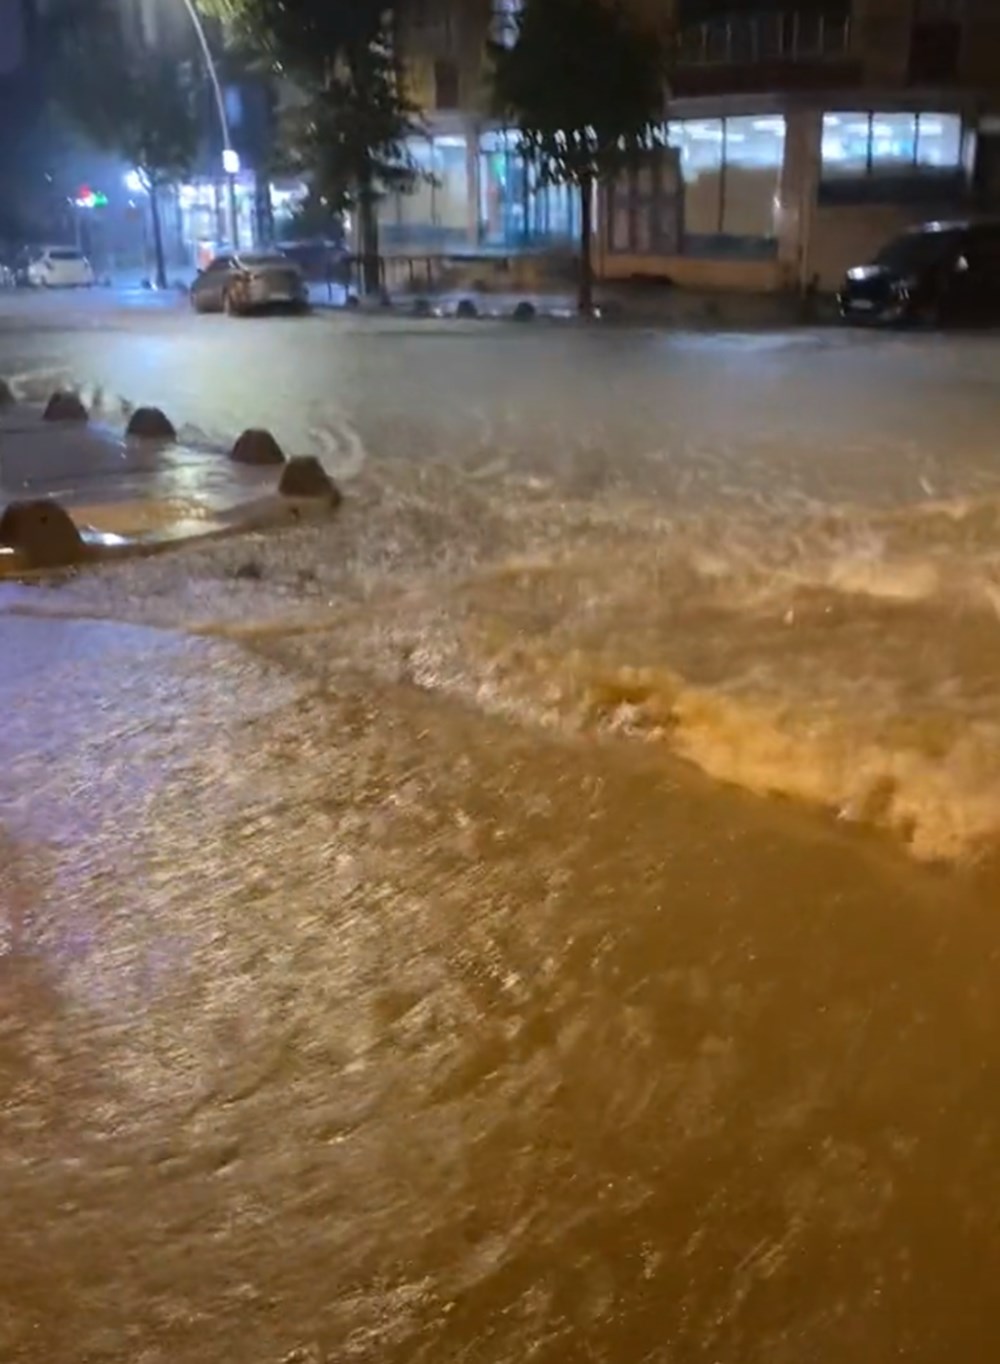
<point>57,267</point>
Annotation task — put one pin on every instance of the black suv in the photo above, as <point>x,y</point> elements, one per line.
<point>935,274</point>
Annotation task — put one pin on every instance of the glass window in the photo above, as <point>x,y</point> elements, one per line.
<point>889,144</point>
<point>699,141</point>
<point>894,141</point>
<point>939,140</point>
<point>416,210</point>
<point>846,144</point>
<point>754,153</point>
<point>451,189</point>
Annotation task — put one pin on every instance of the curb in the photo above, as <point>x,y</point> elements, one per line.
<point>42,537</point>
<point>275,512</point>
<point>705,315</point>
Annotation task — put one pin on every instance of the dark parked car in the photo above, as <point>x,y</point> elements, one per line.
<point>936,274</point>
<point>246,283</point>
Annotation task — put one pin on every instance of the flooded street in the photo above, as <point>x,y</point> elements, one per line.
<point>550,912</point>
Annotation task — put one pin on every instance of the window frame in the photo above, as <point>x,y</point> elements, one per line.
<point>728,124</point>
<point>875,169</point>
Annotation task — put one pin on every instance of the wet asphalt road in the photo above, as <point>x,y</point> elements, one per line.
<point>362,1000</point>
<point>822,414</point>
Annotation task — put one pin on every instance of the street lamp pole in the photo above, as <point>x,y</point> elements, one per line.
<point>228,155</point>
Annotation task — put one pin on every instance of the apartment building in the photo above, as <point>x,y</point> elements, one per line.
<point>478,193</point>
<point>798,138</point>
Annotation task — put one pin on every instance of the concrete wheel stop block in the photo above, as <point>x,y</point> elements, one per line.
<point>304,476</point>
<point>258,447</point>
<point>42,534</point>
<point>65,407</point>
<point>150,423</point>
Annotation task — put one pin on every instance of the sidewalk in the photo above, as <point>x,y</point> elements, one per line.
<point>128,494</point>
<point>651,305</point>
<point>118,485</point>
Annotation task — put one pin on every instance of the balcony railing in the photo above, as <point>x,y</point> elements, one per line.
<point>738,40</point>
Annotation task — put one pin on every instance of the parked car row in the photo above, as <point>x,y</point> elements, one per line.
<point>935,274</point>
<point>47,267</point>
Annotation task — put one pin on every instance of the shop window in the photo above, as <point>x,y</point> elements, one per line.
<point>859,145</point>
<point>846,144</point>
<point>894,141</point>
<point>939,141</point>
<point>515,206</point>
<point>451,184</point>
<point>699,141</point>
<point>730,170</point>
<point>416,209</point>
<point>754,151</point>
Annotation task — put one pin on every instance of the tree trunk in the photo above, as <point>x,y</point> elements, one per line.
<point>586,298</point>
<point>368,239</point>
<point>154,213</point>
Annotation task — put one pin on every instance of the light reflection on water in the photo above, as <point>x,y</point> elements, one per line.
<point>376,984</point>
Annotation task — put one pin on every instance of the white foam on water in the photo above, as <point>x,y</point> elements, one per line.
<point>851,662</point>
<point>845,657</point>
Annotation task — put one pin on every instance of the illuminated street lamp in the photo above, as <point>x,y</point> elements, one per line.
<point>230,158</point>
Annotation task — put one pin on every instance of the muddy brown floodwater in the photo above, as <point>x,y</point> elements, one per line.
<point>542,916</point>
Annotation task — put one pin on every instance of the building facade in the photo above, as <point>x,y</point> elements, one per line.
<point>797,140</point>
<point>477,192</point>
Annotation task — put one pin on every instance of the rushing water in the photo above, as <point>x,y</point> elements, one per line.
<point>549,914</point>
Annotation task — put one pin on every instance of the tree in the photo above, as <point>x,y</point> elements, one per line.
<point>348,119</point>
<point>127,99</point>
<point>585,85</point>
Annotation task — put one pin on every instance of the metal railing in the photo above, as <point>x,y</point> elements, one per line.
<point>737,40</point>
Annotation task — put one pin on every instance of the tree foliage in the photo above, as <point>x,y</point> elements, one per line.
<point>585,85</point>
<point>127,99</point>
<point>346,118</point>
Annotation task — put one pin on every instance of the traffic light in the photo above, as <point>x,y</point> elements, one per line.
<point>90,198</point>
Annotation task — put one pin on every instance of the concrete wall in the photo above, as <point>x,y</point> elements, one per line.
<point>693,272</point>
<point>846,236</point>
<point>797,193</point>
